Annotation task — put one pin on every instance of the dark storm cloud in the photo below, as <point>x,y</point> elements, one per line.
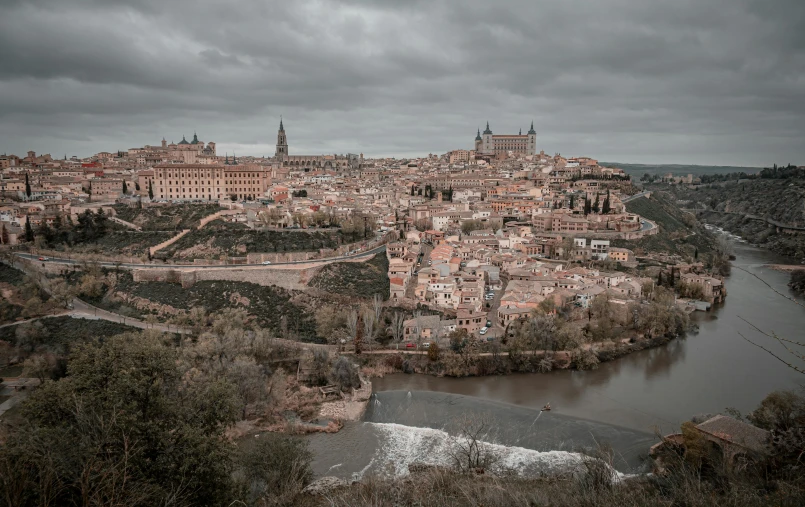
<point>707,81</point>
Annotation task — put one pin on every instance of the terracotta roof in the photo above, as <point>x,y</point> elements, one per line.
<point>736,432</point>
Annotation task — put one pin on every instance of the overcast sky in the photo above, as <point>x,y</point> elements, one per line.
<point>646,81</point>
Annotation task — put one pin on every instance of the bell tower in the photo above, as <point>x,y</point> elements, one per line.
<point>282,143</point>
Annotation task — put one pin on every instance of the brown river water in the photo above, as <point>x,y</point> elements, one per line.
<point>623,402</point>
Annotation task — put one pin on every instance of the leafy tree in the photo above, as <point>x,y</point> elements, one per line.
<point>125,427</point>
<point>345,374</point>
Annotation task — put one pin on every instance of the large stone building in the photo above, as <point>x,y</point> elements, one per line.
<point>210,182</point>
<point>312,162</point>
<point>187,152</point>
<point>499,146</point>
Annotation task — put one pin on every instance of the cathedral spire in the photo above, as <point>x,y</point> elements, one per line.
<point>282,129</point>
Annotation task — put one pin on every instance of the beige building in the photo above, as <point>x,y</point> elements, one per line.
<point>210,182</point>
<point>500,145</point>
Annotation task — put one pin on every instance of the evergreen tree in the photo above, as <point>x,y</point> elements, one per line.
<point>659,279</point>
<point>412,189</point>
<point>45,232</point>
<point>100,222</point>
<point>27,186</point>
<point>29,232</point>
<point>587,208</point>
<point>125,188</point>
<point>696,254</point>
<point>150,190</point>
<point>572,201</point>
<point>3,235</point>
<point>137,186</point>
<point>596,206</point>
<point>607,206</point>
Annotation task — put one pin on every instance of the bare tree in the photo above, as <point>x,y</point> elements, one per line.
<point>470,450</point>
<point>352,323</point>
<point>397,327</point>
<point>369,322</point>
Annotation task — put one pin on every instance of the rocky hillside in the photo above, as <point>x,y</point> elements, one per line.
<point>744,208</point>
<point>680,232</point>
<point>780,200</point>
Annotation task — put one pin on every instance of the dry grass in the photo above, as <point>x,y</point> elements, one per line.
<point>442,488</point>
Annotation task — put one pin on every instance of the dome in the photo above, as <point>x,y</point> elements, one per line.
<point>183,141</point>
<point>195,139</point>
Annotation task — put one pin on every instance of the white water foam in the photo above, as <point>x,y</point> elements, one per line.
<point>401,445</point>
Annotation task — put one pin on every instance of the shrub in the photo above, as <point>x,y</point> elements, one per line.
<point>275,468</point>
<point>345,374</point>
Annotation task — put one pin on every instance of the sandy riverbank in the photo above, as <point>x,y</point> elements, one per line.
<point>786,267</point>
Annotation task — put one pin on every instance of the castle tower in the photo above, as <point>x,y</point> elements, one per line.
<point>478,141</point>
<point>282,143</point>
<point>532,140</point>
<point>488,146</point>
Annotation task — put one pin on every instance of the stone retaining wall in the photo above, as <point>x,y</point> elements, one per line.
<point>291,279</point>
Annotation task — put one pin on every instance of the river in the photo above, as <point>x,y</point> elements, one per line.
<point>622,403</point>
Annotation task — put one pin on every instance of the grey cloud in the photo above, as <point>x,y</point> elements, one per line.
<point>707,81</point>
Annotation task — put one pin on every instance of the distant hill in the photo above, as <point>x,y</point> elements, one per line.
<point>637,170</point>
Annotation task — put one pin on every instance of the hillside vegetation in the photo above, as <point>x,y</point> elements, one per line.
<point>680,232</point>
<point>743,207</point>
<point>165,218</point>
<point>357,279</point>
<point>234,239</point>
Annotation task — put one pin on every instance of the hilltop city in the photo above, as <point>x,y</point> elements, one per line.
<point>487,234</point>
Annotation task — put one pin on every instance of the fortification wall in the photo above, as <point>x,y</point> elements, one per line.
<point>291,279</point>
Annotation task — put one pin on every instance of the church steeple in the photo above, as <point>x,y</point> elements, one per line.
<point>282,143</point>
<point>532,131</point>
<point>478,136</point>
<point>488,130</point>
<point>227,159</point>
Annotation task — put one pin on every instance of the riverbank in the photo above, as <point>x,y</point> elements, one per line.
<point>482,364</point>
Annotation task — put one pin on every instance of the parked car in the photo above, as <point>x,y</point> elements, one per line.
<point>44,259</point>
<point>483,330</point>
<point>426,345</point>
<point>266,262</point>
<point>410,345</point>
<point>490,338</point>
<point>488,323</point>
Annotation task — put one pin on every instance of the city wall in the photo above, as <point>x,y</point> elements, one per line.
<point>291,279</point>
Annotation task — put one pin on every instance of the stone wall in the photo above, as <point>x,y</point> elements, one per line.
<point>291,279</point>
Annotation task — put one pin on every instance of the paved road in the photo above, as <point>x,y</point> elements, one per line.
<point>70,262</point>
